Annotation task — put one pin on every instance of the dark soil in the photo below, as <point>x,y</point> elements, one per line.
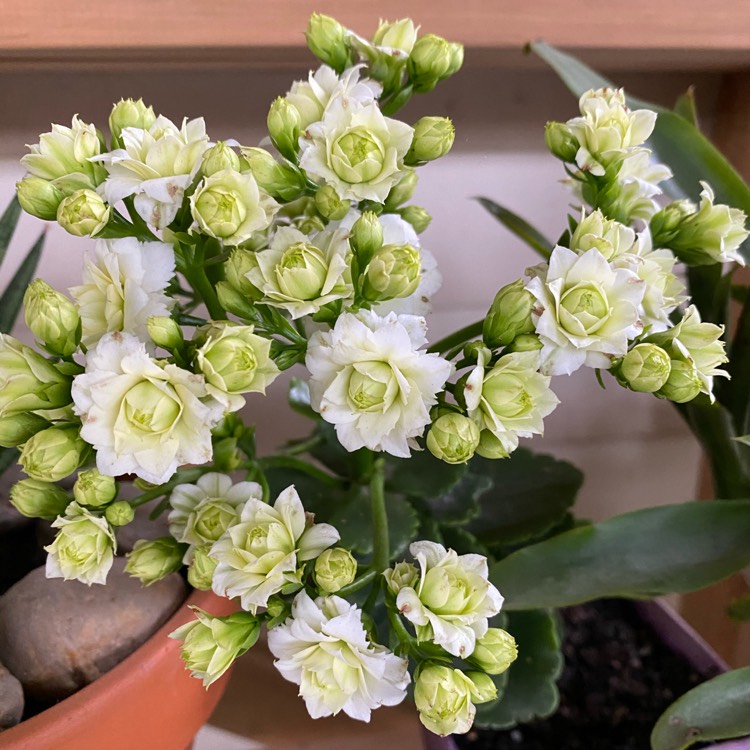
<point>618,679</point>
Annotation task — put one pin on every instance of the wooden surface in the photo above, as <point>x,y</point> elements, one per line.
<point>133,33</point>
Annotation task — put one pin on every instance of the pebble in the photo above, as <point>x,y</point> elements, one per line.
<point>11,699</point>
<point>57,636</point>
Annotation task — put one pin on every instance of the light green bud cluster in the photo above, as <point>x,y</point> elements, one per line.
<point>334,569</point>
<point>398,35</point>
<point>665,224</point>
<point>129,113</point>
<point>433,138</point>
<point>684,383</point>
<point>526,342</point>
<point>37,499</point>
<point>366,236</point>
<point>202,566</point>
<point>403,190</point>
<point>453,438</point>
<point>16,429</point>
<point>39,197</point>
<point>120,513</point>
<point>279,180</point>
<point>495,651</point>
<point>416,216</point>
<point>219,157</point>
<point>561,142</point>
<point>329,204</point>
<point>509,316</point>
<point>54,453</point>
<point>284,127</point>
<point>433,59</point>
<point>165,332</point>
<point>402,575</point>
<point>83,213</point>
<point>52,318</point>
<point>154,559</point>
<point>327,40</point>
<point>94,490</point>
<point>645,368</point>
<point>394,271</point>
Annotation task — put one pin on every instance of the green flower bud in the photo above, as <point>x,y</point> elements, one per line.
<point>433,138</point>
<point>526,342</point>
<point>39,197</point>
<point>453,438</point>
<point>165,332</point>
<point>495,651</point>
<point>120,513</point>
<point>416,216</point>
<point>665,224</point>
<point>490,447</point>
<point>94,490</point>
<point>128,113</point>
<point>310,224</point>
<point>235,302</point>
<point>330,205</point>
<point>53,454</point>
<point>240,261</point>
<point>334,569</point>
<point>153,559</point>
<point>403,190</point>
<point>283,126</point>
<point>327,40</point>
<point>279,180</point>
<point>396,35</point>
<point>84,213</point>
<point>485,689</point>
<point>645,368</point>
<point>219,157</point>
<point>202,566</point>
<point>394,271</point>
<point>227,457</point>
<point>36,499</point>
<point>52,318</point>
<point>561,142</point>
<point>509,316</point>
<point>683,384</point>
<point>276,606</point>
<point>16,429</point>
<point>402,575</point>
<point>433,59</point>
<point>211,644</point>
<point>366,236</point>
<point>443,697</point>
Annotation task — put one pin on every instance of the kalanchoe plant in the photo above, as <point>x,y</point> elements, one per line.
<point>373,563</point>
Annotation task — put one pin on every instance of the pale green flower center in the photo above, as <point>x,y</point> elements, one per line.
<point>234,361</point>
<point>507,396</point>
<point>149,409</point>
<point>368,386</point>
<point>213,519</point>
<point>358,156</point>
<point>587,304</point>
<point>221,210</point>
<point>302,271</point>
<point>446,591</point>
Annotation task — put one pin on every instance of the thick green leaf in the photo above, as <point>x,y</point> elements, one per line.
<point>530,494</point>
<point>686,108</point>
<point>461,503</point>
<point>8,223</point>
<point>299,398</point>
<point>317,497</point>
<point>520,227</point>
<point>530,692</point>
<point>716,710</point>
<point>10,302</point>
<point>672,548</point>
<point>330,452</point>
<point>425,476</point>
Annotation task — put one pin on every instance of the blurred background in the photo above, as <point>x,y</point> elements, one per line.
<point>228,59</point>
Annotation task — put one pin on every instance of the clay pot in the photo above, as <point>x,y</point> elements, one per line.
<point>148,700</point>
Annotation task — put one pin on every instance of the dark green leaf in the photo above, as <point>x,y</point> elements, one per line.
<point>530,494</point>
<point>317,497</point>
<point>686,108</point>
<point>462,541</point>
<point>12,299</point>
<point>460,504</point>
<point>672,548</point>
<point>520,227</point>
<point>330,452</point>
<point>716,710</point>
<point>425,476</point>
<point>299,398</point>
<point>8,456</point>
<point>8,223</point>
<point>530,692</point>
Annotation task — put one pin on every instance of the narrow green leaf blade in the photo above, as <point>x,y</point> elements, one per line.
<point>12,298</point>
<point>520,227</point>
<point>671,548</point>
<point>8,223</point>
<point>686,108</point>
<point>716,710</point>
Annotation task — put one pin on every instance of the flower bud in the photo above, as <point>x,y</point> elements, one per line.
<point>485,689</point>
<point>416,216</point>
<point>16,429</point>
<point>509,316</point>
<point>165,332</point>
<point>52,318</point>
<point>433,138</point>
<point>526,342</point>
<point>433,59</point>
<point>334,569</point>
<point>495,651</point>
<point>490,447</point>
<point>453,438</point>
<point>283,126</point>
<point>94,490</point>
<point>279,180</point>
<point>327,40</point>
<point>394,271</point>
<point>366,236</point>
<point>645,368</point>
<point>53,454</point>
<point>153,559</point>
<point>84,213</point>
<point>235,302</point>
<point>396,35</point>
<point>403,190</point>
<point>443,697</point>
<point>561,142</point>
<point>39,197</point>
<point>276,606</point>
<point>402,575</point>
<point>120,513</point>
<point>330,205</point>
<point>128,113</point>
<point>219,157</point>
<point>202,566</point>
<point>36,499</point>
<point>665,224</point>
<point>683,384</point>
<point>240,261</point>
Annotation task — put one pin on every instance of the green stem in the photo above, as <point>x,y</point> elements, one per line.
<point>184,476</point>
<point>196,276</point>
<point>381,555</point>
<point>459,337</point>
<point>359,583</point>
<point>303,446</point>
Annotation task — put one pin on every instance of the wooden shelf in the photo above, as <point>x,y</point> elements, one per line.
<point>250,33</point>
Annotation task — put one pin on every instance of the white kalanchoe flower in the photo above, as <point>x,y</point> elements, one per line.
<point>83,549</point>
<point>325,650</point>
<point>143,417</point>
<point>511,400</point>
<point>124,284</point>
<point>312,97</point>
<point>357,150</point>
<point>155,166</point>
<point>262,554</point>
<point>587,310</point>
<point>452,601</point>
<point>203,511</point>
<point>300,274</point>
<point>370,378</point>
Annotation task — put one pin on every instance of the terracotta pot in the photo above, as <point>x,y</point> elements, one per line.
<point>147,701</point>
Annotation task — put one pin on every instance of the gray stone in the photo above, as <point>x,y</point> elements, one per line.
<point>57,636</point>
<point>11,699</point>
